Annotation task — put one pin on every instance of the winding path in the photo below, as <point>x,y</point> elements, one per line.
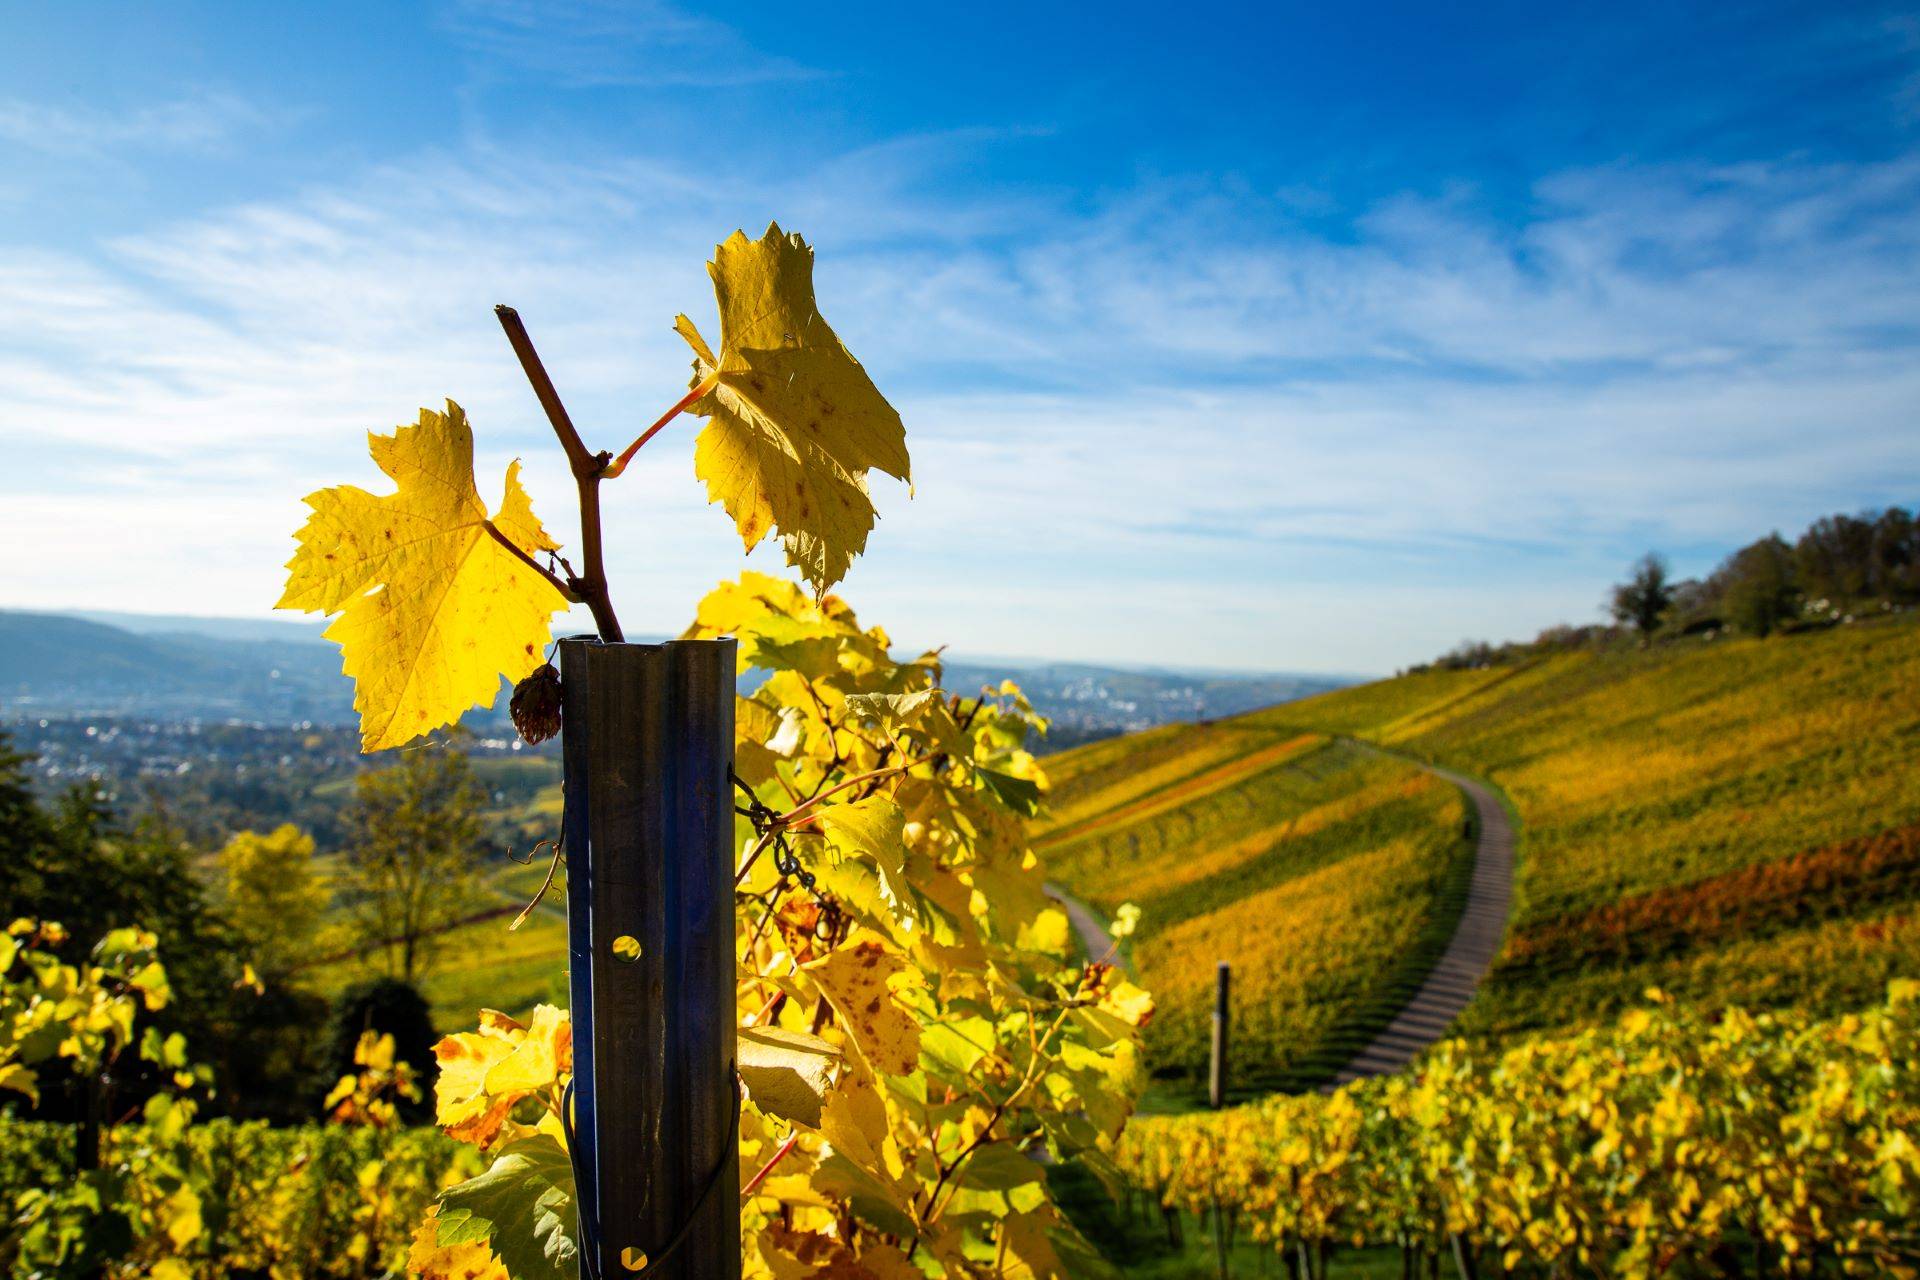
<point>1454,977</point>
<point>1476,941</point>
<point>1092,930</point>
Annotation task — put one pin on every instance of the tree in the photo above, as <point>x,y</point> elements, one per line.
<point>25,831</point>
<point>81,865</point>
<point>411,872</point>
<point>1896,556</point>
<point>1643,599</point>
<point>1834,558</point>
<point>1762,592</point>
<point>274,897</point>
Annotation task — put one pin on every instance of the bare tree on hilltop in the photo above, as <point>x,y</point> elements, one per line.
<point>1643,599</point>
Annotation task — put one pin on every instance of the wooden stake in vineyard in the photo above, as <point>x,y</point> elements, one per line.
<point>1217,1072</point>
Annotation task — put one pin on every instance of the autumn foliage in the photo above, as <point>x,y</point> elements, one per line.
<point>922,1035</point>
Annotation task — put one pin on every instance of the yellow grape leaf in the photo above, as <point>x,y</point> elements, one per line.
<point>755,726</point>
<point>884,1262</point>
<point>854,981</point>
<point>483,1073</point>
<point>1127,1002</point>
<point>1030,1247</point>
<point>181,1213</point>
<point>20,1080</point>
<point>793,422</point>
<point>433,611</point>
<point>787,1073</point>
<point>375,1051</point>
<point>876,1262</point>
<point>539,1059</point>
<point>854,1121</point>
<point>341,1092</point>
<point>429,1261</point>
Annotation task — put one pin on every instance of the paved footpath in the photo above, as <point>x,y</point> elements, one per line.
<point>1476,941</point>
<point>1092,930</point>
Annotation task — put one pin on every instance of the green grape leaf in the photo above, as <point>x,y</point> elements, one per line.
<point>873,831</point>
<point>521,1207</point>
<point>1022,795</point>
<point>1001,1168</point>
<point>873,1201</point>
<point>958,1043</point>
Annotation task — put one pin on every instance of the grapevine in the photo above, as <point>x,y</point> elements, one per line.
<point>1616,1150</point>
<point>921,1038</point>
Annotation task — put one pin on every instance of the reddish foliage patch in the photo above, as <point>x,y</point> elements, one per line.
<point>1818,884</point>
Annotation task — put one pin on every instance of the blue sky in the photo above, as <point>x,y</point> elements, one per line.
<point>1295,337</point>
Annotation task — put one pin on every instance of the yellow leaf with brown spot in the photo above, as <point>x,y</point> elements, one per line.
<point>854,980</point>
<point>433,611</point>
<point>793,422</point>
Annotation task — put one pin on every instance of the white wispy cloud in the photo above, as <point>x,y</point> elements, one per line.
<point>1178,426</point>
<point>599,43</point>
<point>205,121</point>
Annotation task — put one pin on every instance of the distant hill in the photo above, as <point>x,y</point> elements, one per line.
<point>1087,702</point>
<point>289,628</point>
<point>55,664</point>
<point>274,672</point>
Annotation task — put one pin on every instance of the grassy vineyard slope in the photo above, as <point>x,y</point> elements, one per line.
<point>1736,821</point>
<point>1328,876</point>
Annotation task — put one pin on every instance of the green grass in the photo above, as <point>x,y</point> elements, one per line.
<point>482,965</point>
<point>1147,1243</point>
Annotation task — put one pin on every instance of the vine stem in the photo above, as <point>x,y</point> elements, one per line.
<point>794,815</point>
<point>985,1135</point>
<point>558,583</point>
<point>1032,1073</point>
<point>590,585</point>
<point>754,1182</point>
<point>685,402</point>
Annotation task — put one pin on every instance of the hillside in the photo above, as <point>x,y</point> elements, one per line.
<point>1730,820</point>
<point>1736,821</point>
<point>1327,875</point>
<point>55,664</point>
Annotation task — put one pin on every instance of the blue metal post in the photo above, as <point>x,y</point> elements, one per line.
<point>647,746</point>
